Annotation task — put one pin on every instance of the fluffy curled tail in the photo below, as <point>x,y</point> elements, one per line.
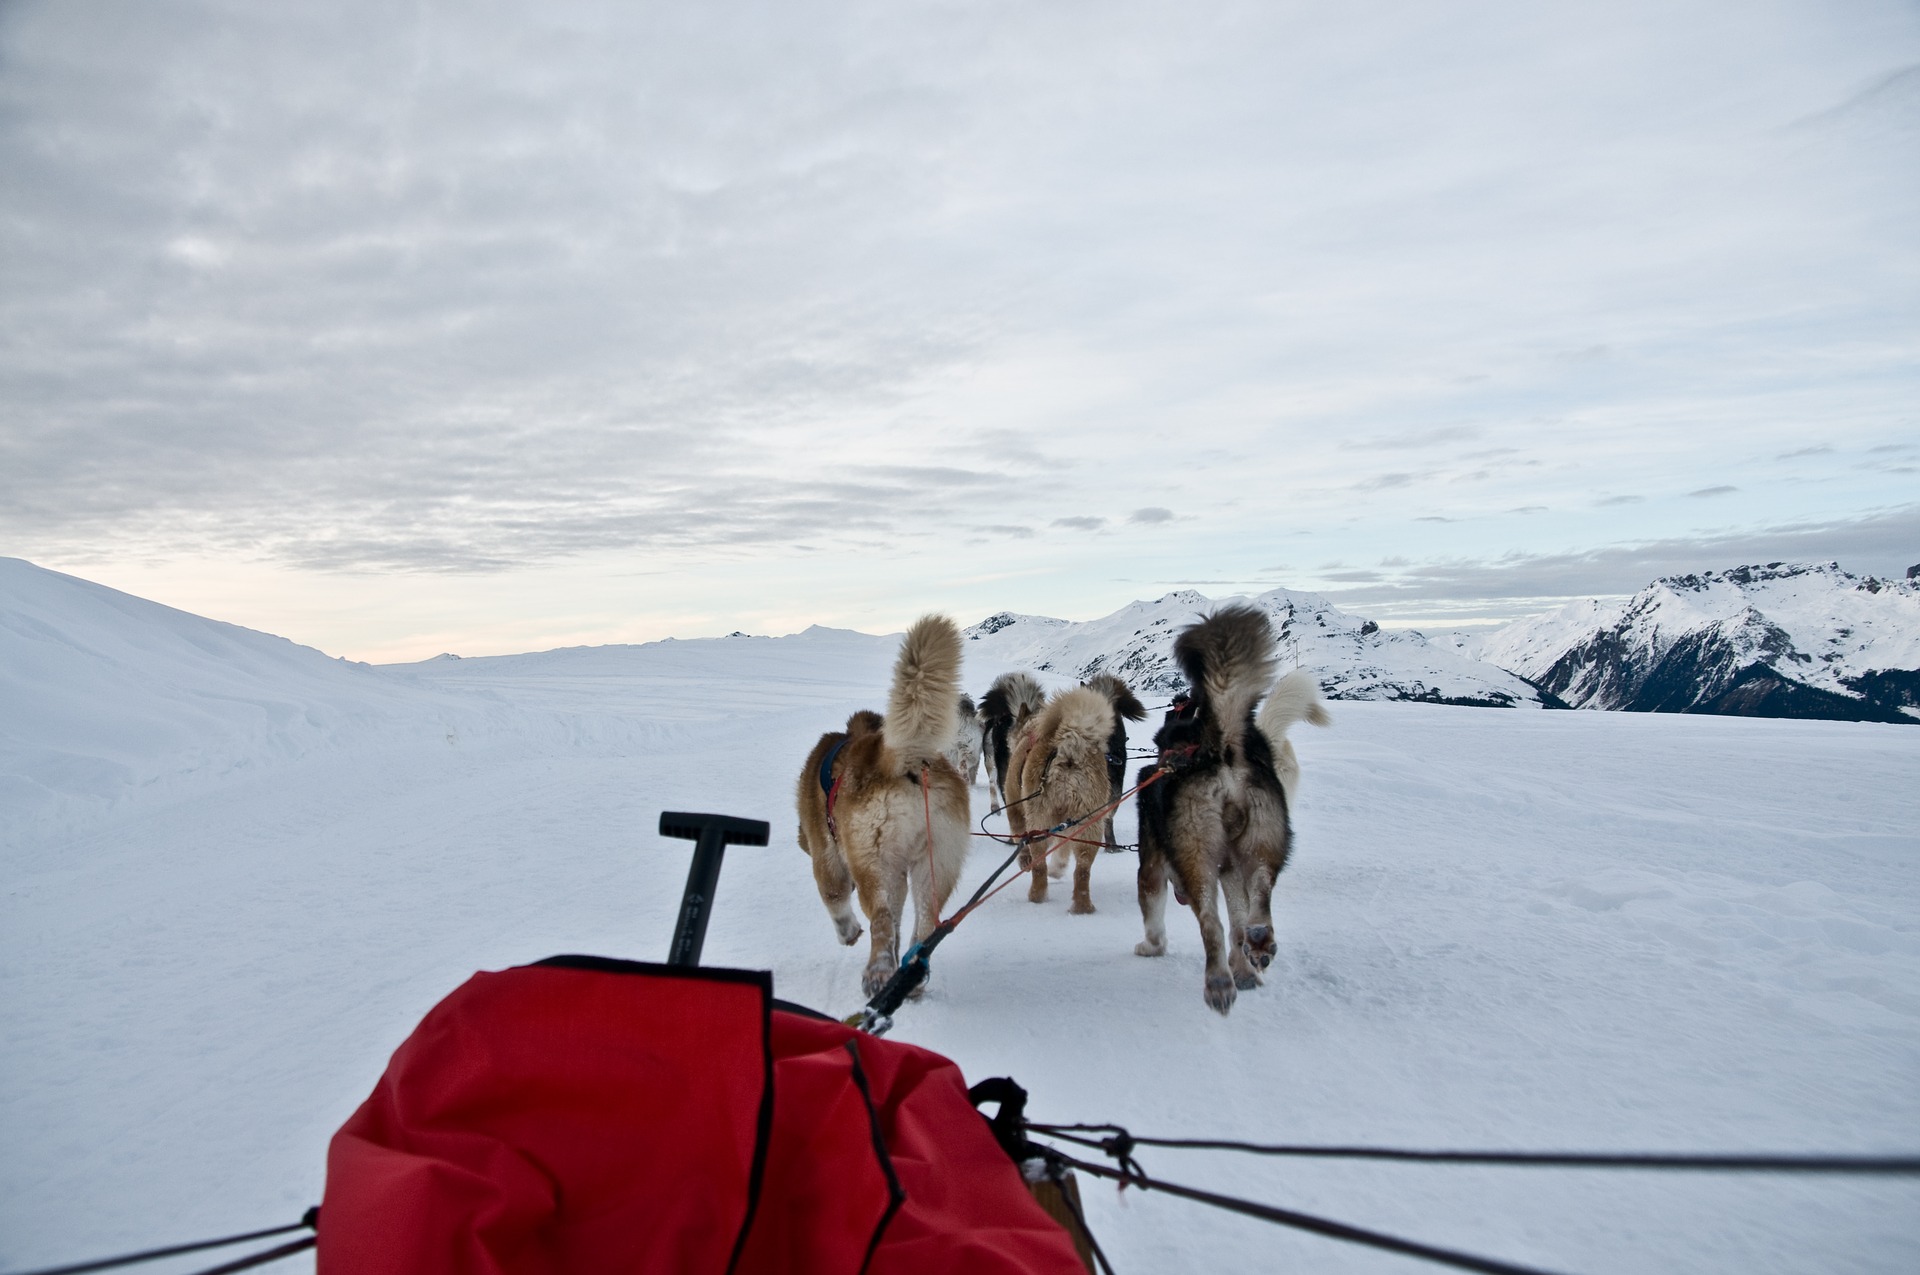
<point>1229,661</point>
<point>923,706</point>
<point>1294,698</point>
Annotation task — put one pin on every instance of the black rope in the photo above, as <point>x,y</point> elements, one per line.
<point>261,1259</point>
<point>310,1221</point>
<point>876,1016</point>
<point>1304,1221</point>
<point>1057,1171</point>
<point>1005,838</point>
<point>1119,1143</point>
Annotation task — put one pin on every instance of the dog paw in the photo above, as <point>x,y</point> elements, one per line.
<point>1246,981</point>
<point>1081,907</point>
<point>874,979</point>
<point>1037,892</point>
<point>1057,869</point>
<point>1220,993</point>
<point>850,934</point>
<point>1147,947</point>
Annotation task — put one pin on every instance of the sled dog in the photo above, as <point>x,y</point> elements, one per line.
<point>1215,818</point>
<point>964,752</point>
<point>1294,698</point>
<point>864,817</point>
<point>1127,708</point>
<point>1057,772</point>
<point>1007,706</point>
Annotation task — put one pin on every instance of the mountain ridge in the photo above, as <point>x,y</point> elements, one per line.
<point>1775,640</point>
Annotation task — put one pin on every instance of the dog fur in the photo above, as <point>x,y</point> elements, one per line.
<point>876,841</point>
<point>1127,708</point>
<point>1005,709</point>
<point>1294,698</point>
<point>1215,820</point>
<point>1057,772</point>
<point>964,752</point>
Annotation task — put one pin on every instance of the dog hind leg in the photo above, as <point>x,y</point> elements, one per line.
<point>1218,989</point>
<point>881,902</point>
<point>1233,884</point>
<point>836,890</point>
<point>1152,882</point>
<point>1058,858</point>
<point>1083,856</point>
<point>1042,860</point>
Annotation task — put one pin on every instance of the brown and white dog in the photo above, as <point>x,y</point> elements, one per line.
<point>863,813</point>
<point>1005,709</point>
<point>1215,819</point>
<point>1060,769</point>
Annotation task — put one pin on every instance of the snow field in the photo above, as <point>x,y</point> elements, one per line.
<point>1500,929</point>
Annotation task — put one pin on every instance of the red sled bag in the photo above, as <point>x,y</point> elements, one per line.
<point>583,1115</point>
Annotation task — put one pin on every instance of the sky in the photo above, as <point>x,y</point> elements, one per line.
<point>498,327</point>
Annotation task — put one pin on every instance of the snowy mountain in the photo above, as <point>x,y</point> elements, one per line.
<point>1354,658</point>
<point>1781,640</point>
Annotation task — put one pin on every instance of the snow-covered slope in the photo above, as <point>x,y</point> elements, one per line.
<point>103,694</point>
<point>1354,658</point>
<point>106,698</point>
<point>1782,640</point>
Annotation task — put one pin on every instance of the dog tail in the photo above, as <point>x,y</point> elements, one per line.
<point>1120,695</point>
<point>1229,661</point>
<point>923,707</point>
<point>1295,698</point>
<point>1012,697</point>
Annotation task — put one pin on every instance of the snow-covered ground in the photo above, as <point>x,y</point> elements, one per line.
<point>237,873</point>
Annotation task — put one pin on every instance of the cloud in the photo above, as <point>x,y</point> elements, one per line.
<point>1712,491</point>
<point>484,288</point>
<point>1528,509</point>
<point>1412,440</point>
<point>1821,450</point>
<point>1607,501</point>
<point>1883,543</point>
<point>1386,482</point>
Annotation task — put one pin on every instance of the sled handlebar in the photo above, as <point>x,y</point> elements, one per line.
<point>711,835</point>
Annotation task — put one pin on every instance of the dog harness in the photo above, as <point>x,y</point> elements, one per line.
<point>830,784</point>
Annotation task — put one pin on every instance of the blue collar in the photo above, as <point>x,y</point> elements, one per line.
<point>826,766</point>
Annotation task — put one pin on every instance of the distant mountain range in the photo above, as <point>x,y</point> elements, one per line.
<point>1781,640</point>
<point>1354,658</point>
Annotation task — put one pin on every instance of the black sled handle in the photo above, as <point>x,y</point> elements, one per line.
<point>711,835</point>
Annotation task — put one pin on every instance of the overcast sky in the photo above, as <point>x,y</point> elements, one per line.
<point>493,327</point>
